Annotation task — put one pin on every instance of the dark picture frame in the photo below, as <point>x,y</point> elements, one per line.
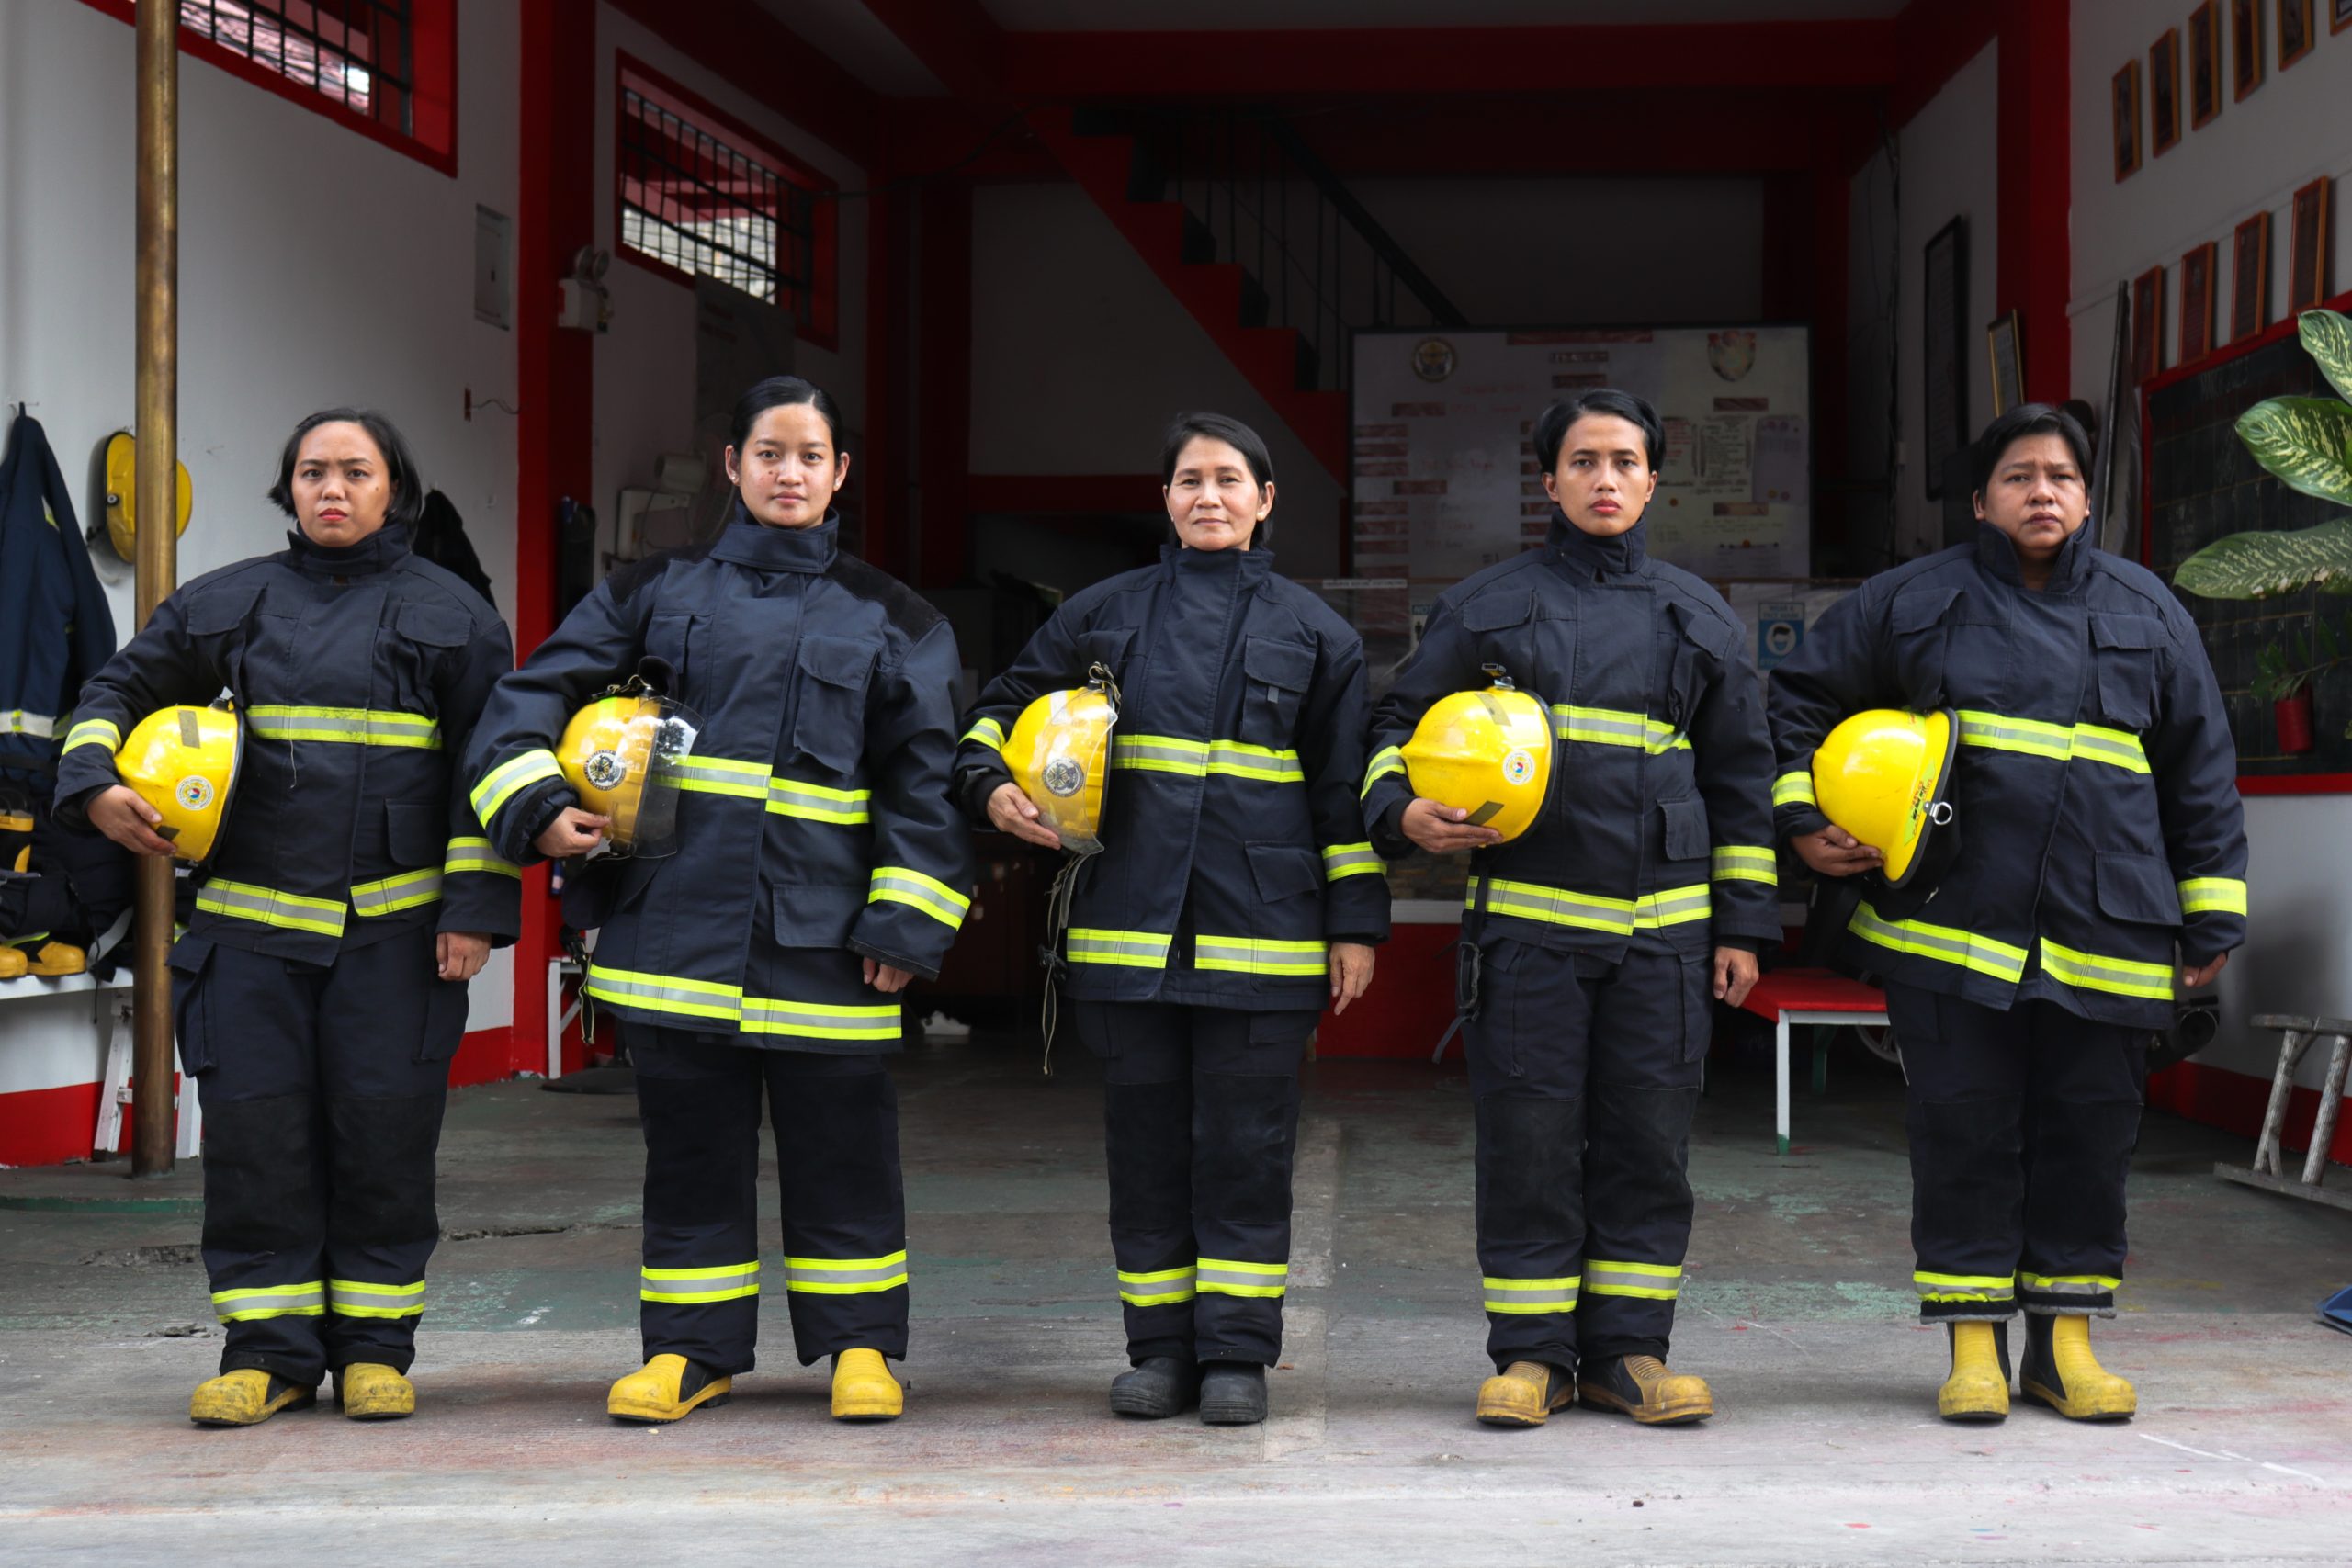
<point>1944,299</point>
<point>2197,301</point>
<point>2147,324</point>
<point>2297,34</point>
<point>2339,16</point>
<point>2250,277</point>
<point>2164,94</point>
<point>2124,103</point>
<point>2245,48</point>
<point>2307,242</point>
<point>2005,352</point>
<point>2204,64</point>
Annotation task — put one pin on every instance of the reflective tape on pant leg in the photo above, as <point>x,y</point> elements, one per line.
<point>357,1298</point>
<point>2089,1285</point>
<point>1229,1277</point>
<point>693,1287</point>
<point>307,1299</point>
<point>1522,1296</point>
<point>1160,1287</point>
<point>1652,1281</point>
<point>845,1276</point>
<point>1999,1290</point>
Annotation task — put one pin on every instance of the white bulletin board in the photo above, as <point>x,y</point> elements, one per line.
<point>1445,480</point>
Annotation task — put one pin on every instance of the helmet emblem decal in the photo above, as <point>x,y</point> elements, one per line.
<point>1065,775</point>
<point>605,769</point>
<point>1519,767</point>
<point>194,792</point>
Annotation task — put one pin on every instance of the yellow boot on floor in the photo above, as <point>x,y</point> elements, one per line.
<point>1524,1394</point>
<point>1978,1388</point>
<point>1647,1388</point>
<point>2060,1371</point>
<point>54,958</point>
<point>246,1397</point>
<point>371,1390</point>
<point>864,1389</point>
<point>13,962</point>
<point>665,1389</point>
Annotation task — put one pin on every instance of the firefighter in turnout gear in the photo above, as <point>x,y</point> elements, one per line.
<point>1235,894</point>
<point>320,991</point>
<point>819,868</point>
<point>2096,854</point>
<point>1596,943</point>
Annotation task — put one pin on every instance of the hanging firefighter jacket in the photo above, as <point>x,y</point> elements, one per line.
<point>2094,790</point>
<point>357,671</point>
<point>56,627</point>
<point>1234,847</point>
<point>814,826</point>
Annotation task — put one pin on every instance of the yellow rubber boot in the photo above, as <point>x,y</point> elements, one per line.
<point>13,962</point>
<point>2060,1371</point>
<point>54,958</point>
<point>370,1391</point>
<point>864,1389</point>
<point>1978,1388</point>
<point>246,1397</point>
<point>1647,1388</point>
<point>1524,1394</point>
<point>665,1389</point>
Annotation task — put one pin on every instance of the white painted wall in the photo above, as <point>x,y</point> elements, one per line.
<point>2294,128</point>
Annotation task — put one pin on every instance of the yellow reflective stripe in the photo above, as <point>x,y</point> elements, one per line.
<point>2213,894</point>
<point>1350,860</point>
<point>1965,1287</point>
<point>814,1021</point>
<point>1593,911</point>
<point>1793,788</point>
<point>2119,976</point>
<point>501,784</point>
<point>2059,742</point>
<point>355,727</point>
<point>17,721</point>
<point>1388,760</point>
<point>1131,950</point>
<point>845,1276</point>
<point>357,1298</point>
<point>2069,1284</point>
<point>1528,1296</point>
<point>1650,1281</point>
<point>692,1286</point>
<point>678,996</point>
<point>307,1299</point>
<point>466,854</point>
<point>94,732</point>
<point>1199,759</point>
<point>664,993</point>
<point>389,894</point>
<point>1157,1288</point>
<point>1616,727</point>
<point>819,803</point>
<point>1745,862</point>
<point>717,775</point>
<point>1226,1276</point>
<point>988,732</point>
<point>903,884</point>
<point>1259,955</point>
<point>1943,943</point>
<point>268,907</point>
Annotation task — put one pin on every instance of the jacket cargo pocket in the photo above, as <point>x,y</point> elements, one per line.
<point>1921,628</point>
<point>415,833</point>
<point>444,1020</point>
<point>1284,870</point>
<point>192,957</point>
<point>2124,647</point>
<point>2137,889</point>
<point>1685,828</point>
<point>1277,674</point>
<point>815,916</point>
<point>829,702</point>
<point>1698,1003</point>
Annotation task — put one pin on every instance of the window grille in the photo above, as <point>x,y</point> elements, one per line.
<point>352,52</point>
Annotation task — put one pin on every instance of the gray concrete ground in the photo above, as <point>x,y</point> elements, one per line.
<point>1798,1309</point>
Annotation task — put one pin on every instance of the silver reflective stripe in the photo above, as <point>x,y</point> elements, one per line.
<point>718,775</point>
<point>1532,1295</point>
<point>358,726</point>
<point>1158,1287</point>
<point>845,1276</point>
<point>2069,1284</point>
<point>687,1287</point>
<point>900,886</point>
<point>1137,950</point>
<point>1555,905</point>
<point>21,723</point>
<point>394,894</point>
<point>1348,860</point>
<point>847,808</point>
<point>1656,1280</point>
<point>695,998</point>
<point>270,908</point>
<point>1232,1279</point>
<point>763,1017</point>
<point>1674,907</point>
<point>276,1301</point>
<point>352,1298</point>
<point>1189,757</point>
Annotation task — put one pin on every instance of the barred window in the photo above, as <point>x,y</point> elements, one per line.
<point>700,195</point>
<point>353,53</point>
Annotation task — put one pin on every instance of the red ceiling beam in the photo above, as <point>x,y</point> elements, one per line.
<point>2033,261</point>
<point>1933,38</point>
<point>736,40</point>
<point>956,40</point>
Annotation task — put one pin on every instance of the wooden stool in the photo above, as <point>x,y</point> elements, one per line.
<point>2267,1171</point>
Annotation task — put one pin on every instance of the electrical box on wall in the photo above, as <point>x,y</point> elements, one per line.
<point>493,290</point>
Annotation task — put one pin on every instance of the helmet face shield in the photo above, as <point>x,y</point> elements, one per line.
<point>629,756</point>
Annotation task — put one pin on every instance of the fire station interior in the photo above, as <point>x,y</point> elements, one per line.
<point>1831,240</point>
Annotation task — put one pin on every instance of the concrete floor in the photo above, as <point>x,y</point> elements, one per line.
<point>1798,1309</point>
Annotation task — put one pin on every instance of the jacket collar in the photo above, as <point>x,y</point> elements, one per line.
<point>1581,555</point>
<point>747,542</point>
<point>1997,553</point>
<point>1251,566</point>
<point>379,551</point>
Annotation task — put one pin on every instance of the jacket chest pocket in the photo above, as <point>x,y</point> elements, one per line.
<point>829,702</point>
<point>223,626</point>
<point>670,639</point>
<point>1500,626</point>
<point>1700,650</point>
<point>2123,656</point>
<point>412,649</point>
<point>1919,627</point>
<point>1276,674</point>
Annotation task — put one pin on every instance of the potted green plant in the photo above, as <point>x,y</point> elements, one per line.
<point>2285,684</point>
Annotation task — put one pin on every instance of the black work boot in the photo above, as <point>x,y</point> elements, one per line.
<point>1155,1388</point>
<point>1233,1394</point>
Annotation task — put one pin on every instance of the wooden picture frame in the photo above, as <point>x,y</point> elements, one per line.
<point>2204,64</point>
<point>2339,16</point>
<point>1944,304</point>
<point>2297,33</point>
<point>2164,94</point>
<point>2250,277</point>
<point>2005,352</point>
<point>2147,324</point>
<point>2245,48</point>
<point>2124,104</point>
<point>2197,302</point>
<point>2307,246</point>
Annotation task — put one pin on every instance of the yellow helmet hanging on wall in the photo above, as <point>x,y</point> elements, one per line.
<point>1882,775</point>
<point>1059,754</point>
<point>183,761</point>
<point>122,468</point>
<point>1488,753</point>
<point>628,754</point>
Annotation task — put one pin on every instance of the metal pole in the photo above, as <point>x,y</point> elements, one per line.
<point>156,491</point>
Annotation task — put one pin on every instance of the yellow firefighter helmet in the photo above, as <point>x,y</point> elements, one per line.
<point>1059,754</point>
<point>1882,775</point>
<point>1487,752</point>
<point>183,761</point>
<point>121,468</point>
<point>625,754</point>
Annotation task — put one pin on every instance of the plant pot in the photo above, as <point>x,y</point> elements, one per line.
<point>2293,716</point>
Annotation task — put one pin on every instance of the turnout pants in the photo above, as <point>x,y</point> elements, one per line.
<point>322,1090</point>
<point>1585,1073</point>
<point>1200,1121</point>
<point>836,1120</point>
<point>2022,1126</point>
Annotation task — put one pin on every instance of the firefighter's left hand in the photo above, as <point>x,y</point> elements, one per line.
<point>2204,975</point>
<point>883,977</point>
<point>460,955</point>
<point>1351,972</point>
<point>1735,975</point>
